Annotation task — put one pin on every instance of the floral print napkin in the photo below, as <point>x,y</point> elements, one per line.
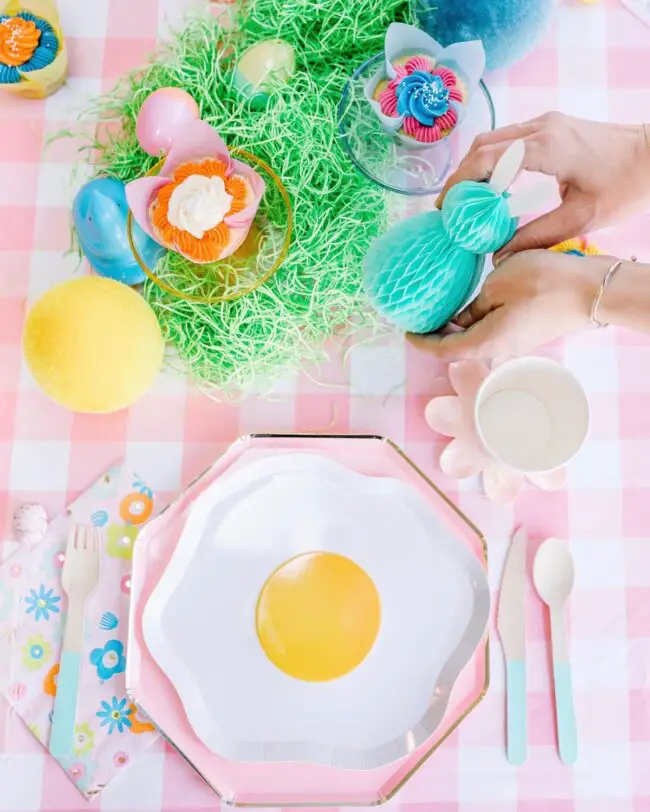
<point>110,731</point>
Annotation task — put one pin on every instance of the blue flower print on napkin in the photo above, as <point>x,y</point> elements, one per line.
<point>99,518</point>
<point>42,603</point>
<point>116,715</point>
<point>109,660</point>
<point>108,622</point>
<point>141,486</point>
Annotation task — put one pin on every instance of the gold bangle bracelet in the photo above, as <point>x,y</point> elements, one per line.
<point>603,287</point>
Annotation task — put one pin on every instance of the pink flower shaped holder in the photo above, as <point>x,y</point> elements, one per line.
<point>196,142</point>
<point>451,414</point>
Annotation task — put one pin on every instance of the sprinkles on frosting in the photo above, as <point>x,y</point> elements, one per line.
<point>422,92</point>
<point>27,43</point>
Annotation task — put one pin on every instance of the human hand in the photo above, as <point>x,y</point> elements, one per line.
<point>603,173</point>
<point>531,298</point>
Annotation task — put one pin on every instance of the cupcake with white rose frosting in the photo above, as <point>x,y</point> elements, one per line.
<point>203,202</point>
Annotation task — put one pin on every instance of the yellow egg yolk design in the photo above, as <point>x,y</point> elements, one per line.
<point>318,616</point>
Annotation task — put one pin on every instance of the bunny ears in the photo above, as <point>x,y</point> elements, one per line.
<point>508,167</point>
<point>424,269</point>
<point>527,201</point>
<point>481,217</point>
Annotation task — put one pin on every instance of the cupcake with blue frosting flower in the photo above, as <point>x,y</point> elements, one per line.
<point>422,91</point>
<point>423,95</point>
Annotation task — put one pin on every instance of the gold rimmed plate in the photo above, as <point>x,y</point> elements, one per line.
<point>292,778</point>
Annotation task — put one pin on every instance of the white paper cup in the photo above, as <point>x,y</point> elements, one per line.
<point>532,414</point>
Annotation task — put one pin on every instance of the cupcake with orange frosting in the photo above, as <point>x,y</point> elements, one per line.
<point>33,61</point>
<point>203,202</point>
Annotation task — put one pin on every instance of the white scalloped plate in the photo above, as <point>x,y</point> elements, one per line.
<point>199,623</point>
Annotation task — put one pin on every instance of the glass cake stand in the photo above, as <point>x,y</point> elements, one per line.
<point>384,160</point>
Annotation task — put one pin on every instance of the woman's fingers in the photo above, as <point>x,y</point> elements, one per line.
<point>479,163</point>
<point>479,341</point>
<point>543,139</point>
<point>475,311</point>
<point>568,220</point>
<point>509,133</point>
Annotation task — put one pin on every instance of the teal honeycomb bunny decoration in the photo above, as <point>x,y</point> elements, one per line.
<point>422,271</point>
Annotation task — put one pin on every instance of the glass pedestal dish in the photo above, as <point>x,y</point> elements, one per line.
<point>383,160</point>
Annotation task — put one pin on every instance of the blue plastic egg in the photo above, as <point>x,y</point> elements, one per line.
<point>100,212</point>
<point>417,277</point>
<point>477,218</point>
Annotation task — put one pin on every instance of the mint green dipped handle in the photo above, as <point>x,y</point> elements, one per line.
<point>565,713</point>
<point>516,710</point>
<point>65,705</point>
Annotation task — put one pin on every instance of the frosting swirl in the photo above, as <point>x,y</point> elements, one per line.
<point>423,96</point>
<point>27,43</point>
<point>18,41</point>
<point>199,204</point>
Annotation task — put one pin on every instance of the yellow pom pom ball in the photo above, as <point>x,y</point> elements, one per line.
<point>93,344</point>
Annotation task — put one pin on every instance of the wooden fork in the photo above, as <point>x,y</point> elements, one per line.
<point>79,578</point>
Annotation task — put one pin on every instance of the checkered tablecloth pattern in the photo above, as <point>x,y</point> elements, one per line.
<point>596,63</point>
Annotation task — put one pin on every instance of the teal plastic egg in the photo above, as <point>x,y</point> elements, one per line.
<point>417,277</point>
<point>477,218</point>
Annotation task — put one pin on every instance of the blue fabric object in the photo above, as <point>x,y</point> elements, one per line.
<point>477,218</point>
<point>416,277</point>
<point>100,213</point>
<point>509,29</point>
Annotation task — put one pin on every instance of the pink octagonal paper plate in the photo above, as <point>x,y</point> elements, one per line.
<point>300,781</point>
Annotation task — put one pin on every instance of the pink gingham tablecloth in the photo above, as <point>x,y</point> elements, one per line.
<point>595,63</point>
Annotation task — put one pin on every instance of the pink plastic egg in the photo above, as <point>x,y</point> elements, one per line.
<point>163,113</point>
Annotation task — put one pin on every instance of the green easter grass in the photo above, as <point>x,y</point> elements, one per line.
<point>235,346</point>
